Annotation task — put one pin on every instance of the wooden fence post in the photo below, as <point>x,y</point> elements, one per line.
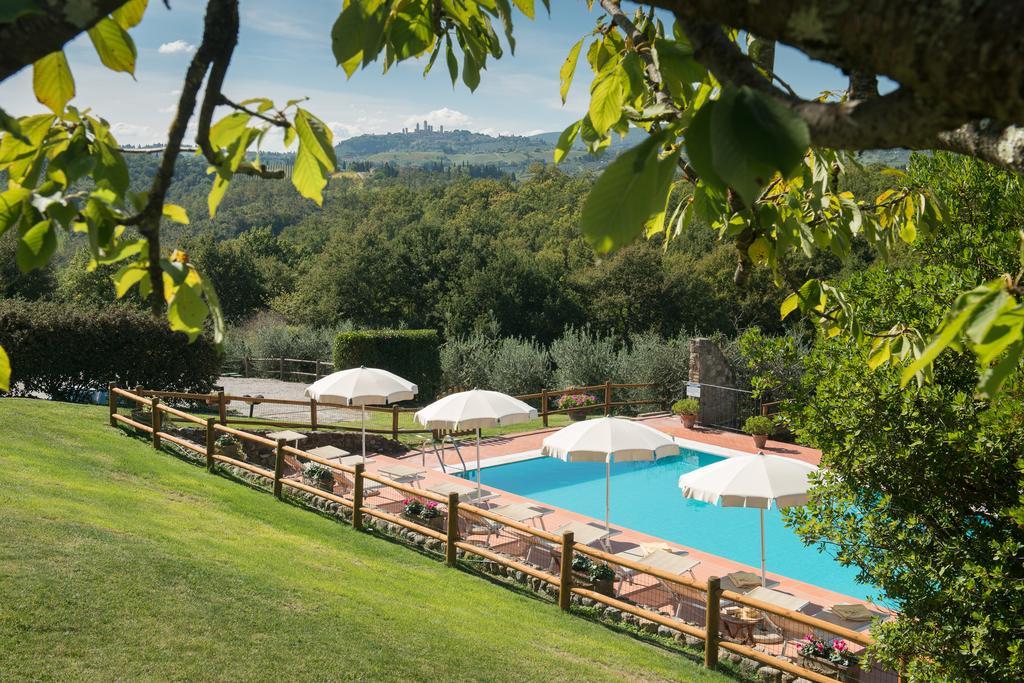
<point>712,615</point>
<point>112,403</point>
<point>245,366</point>
<point>607,397</point>
<point>316,371</point>
<point>222,408</point>
<point>312,413</point>
<point>544,406</point>
<point>282,368</point>
<point>278,467</point>
<point>565,573</point>
<point>154,404</point>
<point>211,443</point>
<point>453,530</point>
<point>394,422</point>
<point>357,497</point>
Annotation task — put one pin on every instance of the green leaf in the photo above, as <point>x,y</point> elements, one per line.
<point>526,7</point>
<point>5,371</point>
<point>186,311</point>
<point>130,13</point>
<point>9,124</point>
<point>36,246</point>
<point>752,137</point>
<point>453,63</point>
<point>114,46</point>
<point>991,378</point>
<point>698,147</point>
<point>127,276</point>
<point>759,250</point>
<point>220,186</point>
<point>880,356</point>
<point>470,71</point>
<point>228,129</point>
<point>11,203</point>
<point>568,69</point>
<point>565,141</point>
<point>176,213</point>
<point>52,81</point>
<point>315,159</point>
<point>631,193</point>
<point>607,96</point>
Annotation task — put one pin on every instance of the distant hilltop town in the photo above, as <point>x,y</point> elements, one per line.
<point>424,128</point>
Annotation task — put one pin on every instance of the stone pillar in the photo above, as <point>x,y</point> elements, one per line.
<point>709,368</point>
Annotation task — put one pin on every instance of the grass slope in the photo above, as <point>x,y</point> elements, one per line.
<point>120,562</point>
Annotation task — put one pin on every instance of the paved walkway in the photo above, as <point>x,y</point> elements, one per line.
<point>275,388</point>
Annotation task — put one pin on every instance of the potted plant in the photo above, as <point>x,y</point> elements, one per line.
<point>427,514</point>
<point>599,576</point>
<point>228,445</point>
<point>318,476</point>
<point>576,404</point>
<point>829,656</point>
<point>687,410</point>
<point>760,428</point>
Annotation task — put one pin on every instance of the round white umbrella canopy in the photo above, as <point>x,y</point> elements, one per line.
<point>606,439</point>
<point>362,387</point>
<point>474,410</point>
<point>751,481</point>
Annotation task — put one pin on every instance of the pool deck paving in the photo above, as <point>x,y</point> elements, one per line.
<point>500,450</point>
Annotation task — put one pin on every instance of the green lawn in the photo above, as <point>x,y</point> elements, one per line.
<point>117,561</point>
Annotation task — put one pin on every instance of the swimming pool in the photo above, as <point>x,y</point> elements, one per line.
<point>645,496</point>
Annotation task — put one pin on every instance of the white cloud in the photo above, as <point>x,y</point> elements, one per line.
<point>449,118</point>
<point>176,47</point>
<point>344,131</point>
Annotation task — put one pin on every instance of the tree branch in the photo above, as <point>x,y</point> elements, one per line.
<point>35,35</point>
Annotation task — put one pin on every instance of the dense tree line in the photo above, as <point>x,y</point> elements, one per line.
<point>424,249</point>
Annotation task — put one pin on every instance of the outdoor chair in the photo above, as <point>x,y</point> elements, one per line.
<point>472,525</point>
<point>345,486</point>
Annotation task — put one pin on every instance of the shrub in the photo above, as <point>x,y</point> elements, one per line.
<point>68,351</point>
<point>314,471</point>
<point>582,358</point>
<point>652,359</point>
<point>510,364</point>
<point>686,406</point>
<point>268,336</point>
<point>412,354</point>
<point>227,440</point>
<point>759,425</point>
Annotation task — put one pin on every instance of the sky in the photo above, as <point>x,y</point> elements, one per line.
<point>284,52</point>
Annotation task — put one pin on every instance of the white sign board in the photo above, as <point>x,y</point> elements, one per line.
<point>693,390</point>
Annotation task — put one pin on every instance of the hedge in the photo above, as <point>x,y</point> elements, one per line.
<point>66,351</point>
<point>412,354</point>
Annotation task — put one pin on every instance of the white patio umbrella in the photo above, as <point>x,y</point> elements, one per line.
<point>605,439</point>
<point>474,410</point>
<point>362,387</point>
<point>751,481</point>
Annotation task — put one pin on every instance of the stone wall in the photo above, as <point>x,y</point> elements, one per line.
<point>709,367</point>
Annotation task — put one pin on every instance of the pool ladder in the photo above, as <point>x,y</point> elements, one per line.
<point>439,453</point>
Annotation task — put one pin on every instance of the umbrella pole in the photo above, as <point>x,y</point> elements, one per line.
<point>478,462</point>
<point>762,547</point>
<point>363,430</point>
<point>607,495</point>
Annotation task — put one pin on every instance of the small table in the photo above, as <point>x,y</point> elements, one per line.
<point>287,435</point>
<point>522,512</point>
<point>403,474</point>
<point>739,624</point>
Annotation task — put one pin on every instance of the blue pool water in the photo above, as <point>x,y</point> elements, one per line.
<point>645,496</point>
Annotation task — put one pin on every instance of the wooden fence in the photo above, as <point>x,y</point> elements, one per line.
<point>543,399</point>
<point>282,367</point>
<point>702,599</point>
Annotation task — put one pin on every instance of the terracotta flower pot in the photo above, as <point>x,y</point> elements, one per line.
<point>577,415</point>
<point>688,420</point>
<point>760,440</point>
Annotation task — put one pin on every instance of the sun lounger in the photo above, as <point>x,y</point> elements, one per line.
<point>544,553</point>
<point>466,493</point>
<point>778,598</point>
<point>855,617</point>
<point>673,562</point>
<point>402,474</point>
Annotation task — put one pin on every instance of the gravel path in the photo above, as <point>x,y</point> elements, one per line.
<point>273,388</point>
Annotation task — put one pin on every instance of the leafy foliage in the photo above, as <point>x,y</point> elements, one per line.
<point>66,351</point>
<point>412,354</point>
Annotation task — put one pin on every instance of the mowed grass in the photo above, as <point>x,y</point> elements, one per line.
<point>118,561</point>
